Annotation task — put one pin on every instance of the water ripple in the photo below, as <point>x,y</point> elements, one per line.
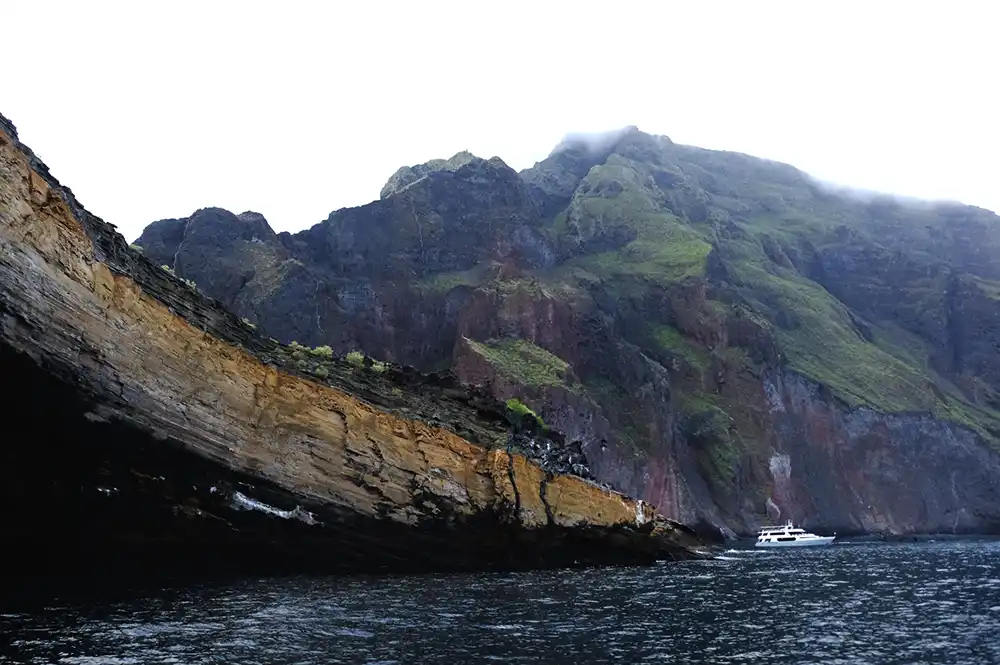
<point>913,603</point>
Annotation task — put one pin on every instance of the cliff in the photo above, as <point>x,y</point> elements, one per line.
<point>728,339</point>
<point>159,430</point>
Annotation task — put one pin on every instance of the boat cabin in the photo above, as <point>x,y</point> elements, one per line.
<point>779,534</point>
<point>786,533</point>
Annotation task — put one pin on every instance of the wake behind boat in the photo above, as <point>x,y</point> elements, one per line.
<point>789,536</point>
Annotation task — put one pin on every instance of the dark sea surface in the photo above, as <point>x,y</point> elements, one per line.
<point>926,602</point>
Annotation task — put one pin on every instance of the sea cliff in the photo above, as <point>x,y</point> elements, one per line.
<point>159,429</point>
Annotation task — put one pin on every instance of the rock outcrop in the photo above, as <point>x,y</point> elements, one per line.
<point>159,430</point>
<point>726,338</point>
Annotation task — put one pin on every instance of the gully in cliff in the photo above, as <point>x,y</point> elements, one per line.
<point>165,432</point>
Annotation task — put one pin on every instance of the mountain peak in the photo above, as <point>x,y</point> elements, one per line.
<point>598,144</point>
<point>554,179</point>
<point>252,217</point>
<point>407,175</point>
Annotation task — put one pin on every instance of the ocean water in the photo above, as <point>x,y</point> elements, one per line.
<point>927,602</point>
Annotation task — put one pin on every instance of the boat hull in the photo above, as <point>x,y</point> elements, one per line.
<point>810,542</point>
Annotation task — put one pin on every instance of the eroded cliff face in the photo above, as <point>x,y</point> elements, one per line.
<point>154,389</point>
<point>809,457</point>
<point>891,472</point>
<point>800,453</point>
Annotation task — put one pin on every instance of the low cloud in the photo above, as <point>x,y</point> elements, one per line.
<point>593,142</point>
<point>871,196</point>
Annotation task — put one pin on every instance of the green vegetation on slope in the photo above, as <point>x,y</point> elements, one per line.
<point>665,251</point>
<point>671,340</point>
<point>524,362</point>
<point>818,336</point>
<point>766,221</point>
<point>710,432</point>
<point>616,195</point>
<point>443,282</point>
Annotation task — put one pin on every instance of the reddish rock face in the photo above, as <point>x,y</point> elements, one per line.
<point>859,470</point>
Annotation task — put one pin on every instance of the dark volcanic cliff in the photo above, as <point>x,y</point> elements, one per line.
<point>728,339</point>
<point>161,431</point>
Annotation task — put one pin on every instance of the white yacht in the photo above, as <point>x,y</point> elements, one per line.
<point>789,536</point>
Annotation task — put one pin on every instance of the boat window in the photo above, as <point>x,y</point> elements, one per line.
<point>784,538</point>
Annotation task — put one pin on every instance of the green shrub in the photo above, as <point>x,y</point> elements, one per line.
<point>521,409</point>
<point>356,358</point>
<point>322,352</point>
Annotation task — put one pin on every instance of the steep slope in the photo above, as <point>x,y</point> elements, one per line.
<point>726,337</point>
<point>160,431</point>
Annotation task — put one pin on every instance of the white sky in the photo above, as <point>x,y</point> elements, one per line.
<point>294,109</point>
